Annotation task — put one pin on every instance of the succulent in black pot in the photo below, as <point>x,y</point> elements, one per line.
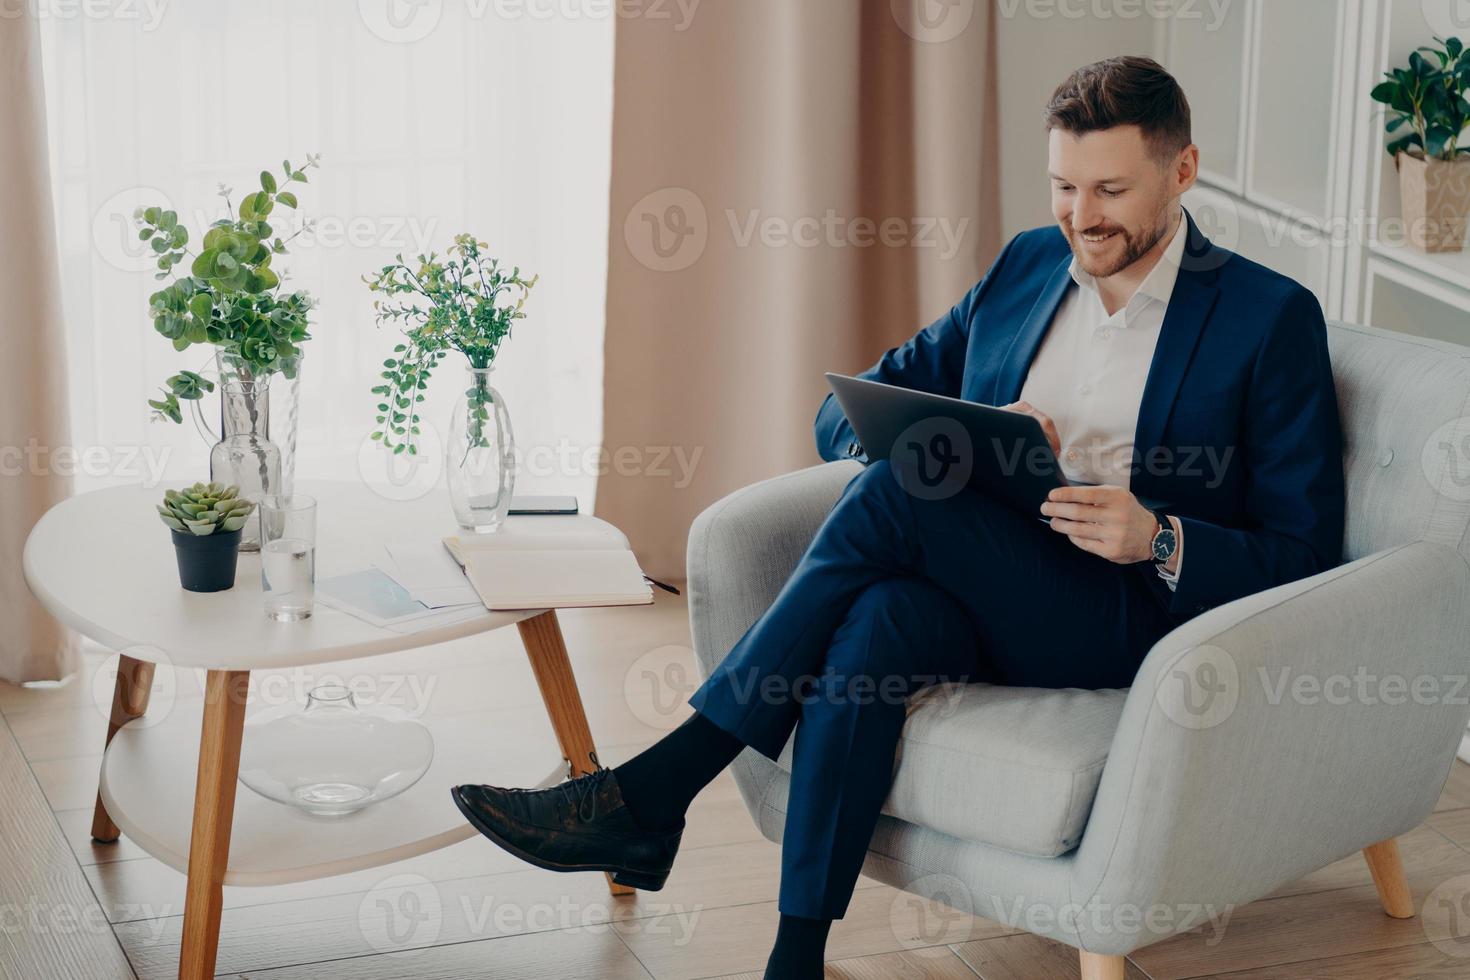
<point>206,520</point>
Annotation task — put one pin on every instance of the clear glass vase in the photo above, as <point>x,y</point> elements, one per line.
<point>336,756</point>
<point>244,456</point>
<point>283,407</point>
<point>479,455</point>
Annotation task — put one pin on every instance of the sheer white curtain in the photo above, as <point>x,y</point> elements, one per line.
<point>431,117</point>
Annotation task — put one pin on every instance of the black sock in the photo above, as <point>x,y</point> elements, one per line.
<point>800,944</point>
<point>659,783</point>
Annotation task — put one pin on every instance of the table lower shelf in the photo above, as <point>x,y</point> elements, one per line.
<point>147,784</point>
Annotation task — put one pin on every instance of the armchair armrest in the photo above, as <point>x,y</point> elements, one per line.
<point>1278,733</point>
<point>743,547</point>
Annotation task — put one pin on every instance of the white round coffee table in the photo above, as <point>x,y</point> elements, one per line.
<point>103,564</point>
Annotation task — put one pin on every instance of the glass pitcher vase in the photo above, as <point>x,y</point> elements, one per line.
<point>244,456</point>
<point>479,455</point>
<point>282,408</point>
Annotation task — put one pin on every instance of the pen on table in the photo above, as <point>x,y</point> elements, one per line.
<point>662,585</point>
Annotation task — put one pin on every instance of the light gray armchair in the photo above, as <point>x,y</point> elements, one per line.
<point>1109,820</point>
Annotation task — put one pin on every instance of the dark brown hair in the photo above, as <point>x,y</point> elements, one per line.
<point>1119,92</point>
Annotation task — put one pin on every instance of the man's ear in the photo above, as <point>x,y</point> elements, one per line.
<point>1186,169</point>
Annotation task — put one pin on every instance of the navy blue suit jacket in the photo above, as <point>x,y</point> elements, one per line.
<point>1238,426</point>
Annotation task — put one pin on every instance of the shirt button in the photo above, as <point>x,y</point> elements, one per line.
<point>1071,455</point>
<point>1105,333</point>
<point>1087,389</point>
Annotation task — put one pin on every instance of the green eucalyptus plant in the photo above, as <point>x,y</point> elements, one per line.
<point>230,297</point>
<point>204,509</point>
<point>1430,97</point>
<point>465,303</point>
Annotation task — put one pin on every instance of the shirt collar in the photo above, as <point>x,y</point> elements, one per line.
<point>1157,285</point>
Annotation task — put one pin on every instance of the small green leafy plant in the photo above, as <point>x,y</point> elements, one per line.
<point>1429,96</point>
<point>204,509</point>
<point>465,303</point>
<point>230,297</point>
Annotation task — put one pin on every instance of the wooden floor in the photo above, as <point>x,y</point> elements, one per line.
<point>470,911</point>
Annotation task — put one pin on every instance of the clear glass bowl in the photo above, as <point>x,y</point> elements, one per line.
<point>335,756</point>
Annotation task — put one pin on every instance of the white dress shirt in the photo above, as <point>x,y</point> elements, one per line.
<point>1089,372</point>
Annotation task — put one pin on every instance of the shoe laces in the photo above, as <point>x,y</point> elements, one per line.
<point>580,794</point>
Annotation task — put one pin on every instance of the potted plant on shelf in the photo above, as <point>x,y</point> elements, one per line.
<point>225,293</point>
<point>206,520</point>
<point>1429,97</point>
<point>464,303</point>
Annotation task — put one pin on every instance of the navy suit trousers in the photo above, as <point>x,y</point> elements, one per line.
<point>894,593</point>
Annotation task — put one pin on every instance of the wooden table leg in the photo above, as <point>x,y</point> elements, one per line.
<point>214,810</point>
<point>547,651</point>
<point>129,700</point>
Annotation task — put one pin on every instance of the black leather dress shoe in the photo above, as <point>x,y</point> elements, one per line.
<point>578,825</point>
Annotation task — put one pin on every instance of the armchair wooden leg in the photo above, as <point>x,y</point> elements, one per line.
<point>129,700</point>
<point>1098,967</point>
<point>1388,875</point>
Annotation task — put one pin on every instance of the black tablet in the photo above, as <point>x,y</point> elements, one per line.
<point>938,445</point>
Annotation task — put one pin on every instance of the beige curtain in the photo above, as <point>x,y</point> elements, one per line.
<point>32,369</point>
<point>796,187</point>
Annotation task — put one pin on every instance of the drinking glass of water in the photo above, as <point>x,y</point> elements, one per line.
<point>288,555</point>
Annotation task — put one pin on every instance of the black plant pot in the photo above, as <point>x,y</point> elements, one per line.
<point>207,563</point>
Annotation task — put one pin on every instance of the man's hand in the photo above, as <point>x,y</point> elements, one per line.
<point>1105,520</point>
<point>1047,425</point>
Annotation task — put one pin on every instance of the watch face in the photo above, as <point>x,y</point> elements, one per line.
<point>1164,544</point>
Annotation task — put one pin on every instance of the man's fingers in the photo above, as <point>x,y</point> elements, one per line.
<point>1048,427</point>
<point>1049,430</point>
<point>1052,437</point>
<point>1072,512</point>
<point>1084,495</point>
<point>1077,529</point>
<point>1086,544</point>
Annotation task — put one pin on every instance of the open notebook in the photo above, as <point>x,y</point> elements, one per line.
<point>530,571</point>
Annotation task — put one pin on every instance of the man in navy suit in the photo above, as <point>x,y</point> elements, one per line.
<point>1159,365</point>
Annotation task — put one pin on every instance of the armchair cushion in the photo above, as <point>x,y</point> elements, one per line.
<point>1013,767</point>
